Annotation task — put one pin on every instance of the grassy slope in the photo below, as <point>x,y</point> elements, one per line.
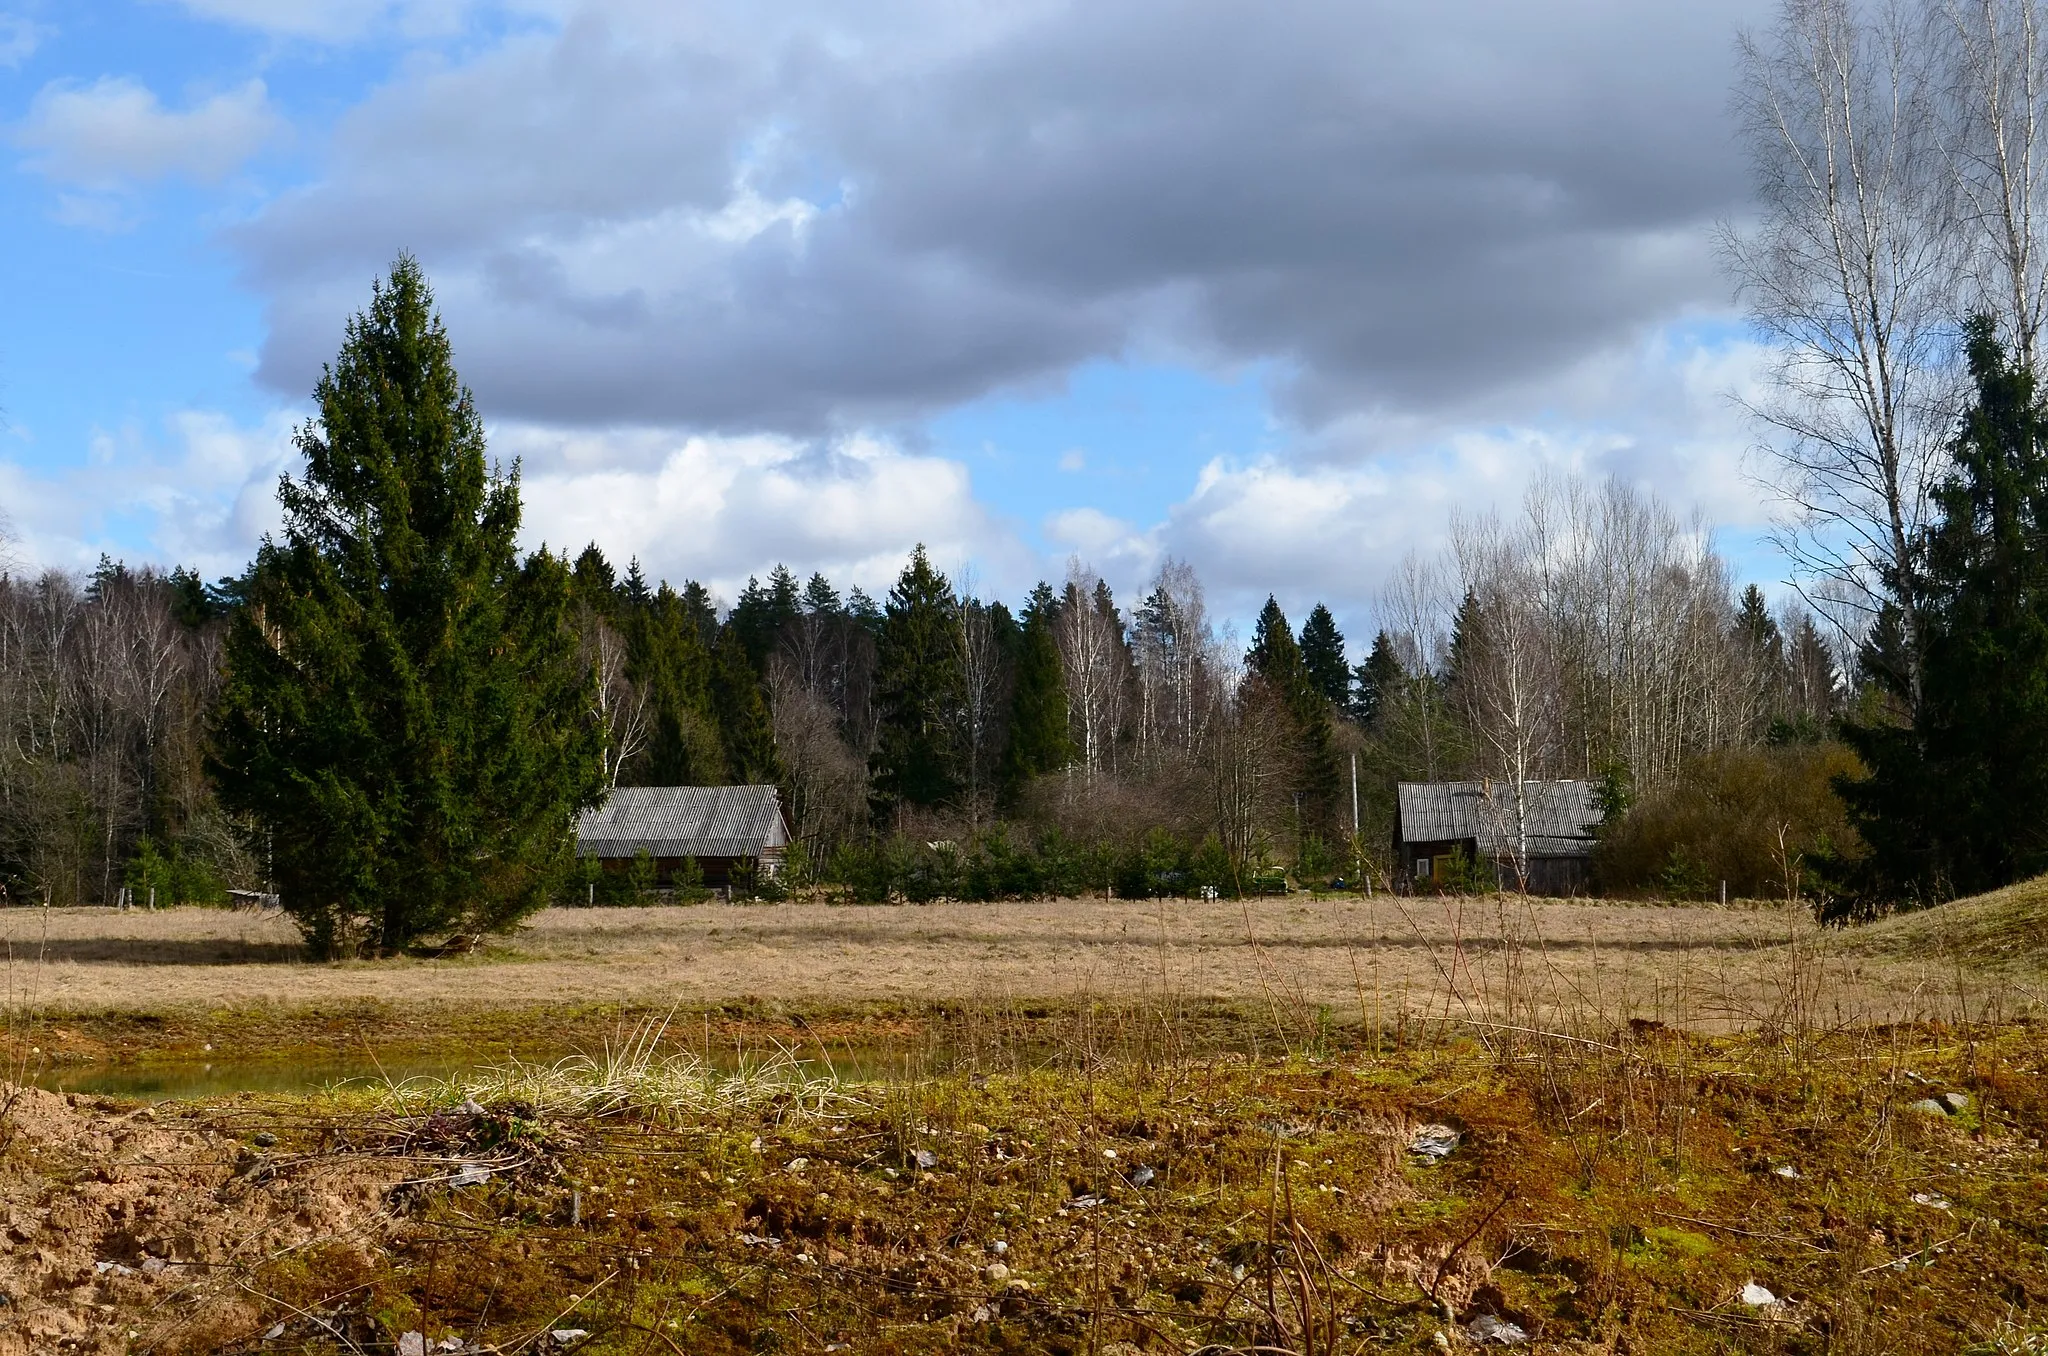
<point>2005,930</point>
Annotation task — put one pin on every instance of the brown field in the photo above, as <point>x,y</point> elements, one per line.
<point>1488,959</point>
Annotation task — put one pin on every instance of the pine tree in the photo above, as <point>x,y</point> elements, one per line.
<point>1322,656</point>
<point>918,692</point>
<point>820,598</point>
<point>1956,800</point>
<point>761,614</point>
<point>1377,680</point>
<point>1038,739</point>
<point>402,707</point>
<point>1275,660</point>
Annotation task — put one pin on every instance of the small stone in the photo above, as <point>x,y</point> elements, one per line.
<point>1434,1142</point>
<point>1109,1154</point>
<point>1486,1328</point>
<point>1756,1297</point>
<point>564,1336</point>
<point>1088,1202</point>
<point>998,1273</point>
<point>1142,1175</point>
<point>412,1344</point>
<point>1929,1107</point>
<point>263,1139</point>
<point>1956,1101</point>
<point>799,1164</point>
<point>470,1107</point>
<point>925,1159</point>
<point>1931,1200</point>
<point>1000,1248</point>
<point>1786,1170</point>
<point>276,1331</point>
<point>470,1174</point>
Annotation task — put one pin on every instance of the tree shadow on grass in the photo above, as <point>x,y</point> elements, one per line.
<point>157,951</point>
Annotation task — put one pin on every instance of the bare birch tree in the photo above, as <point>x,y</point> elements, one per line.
<point>1850,274</point>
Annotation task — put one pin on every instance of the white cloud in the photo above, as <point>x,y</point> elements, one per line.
<point>718,509</point>
<point>200,493</point>
<point>19,38</point>
<point>114,132</point>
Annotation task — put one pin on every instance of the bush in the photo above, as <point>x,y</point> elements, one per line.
<point>1767,821</point>
<point>176,877</point>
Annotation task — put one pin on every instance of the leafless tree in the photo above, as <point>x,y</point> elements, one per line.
<point>1091,643</point>
<point>1850,274</point>
<point>618,704</point>
<point>1996,83</point>
<point>981,673</point>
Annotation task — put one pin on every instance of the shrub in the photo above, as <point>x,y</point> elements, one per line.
<point>1767,821</point>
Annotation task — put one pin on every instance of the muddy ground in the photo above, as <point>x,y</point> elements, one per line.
<point>1635,1192</point>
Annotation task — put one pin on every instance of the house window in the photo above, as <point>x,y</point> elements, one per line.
<point>1422,868</point>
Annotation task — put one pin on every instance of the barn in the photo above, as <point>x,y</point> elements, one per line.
<point>1433,820</point>
<point>732,832</point>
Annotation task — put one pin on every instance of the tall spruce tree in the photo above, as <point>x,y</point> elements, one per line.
<point>744,729</point>
<point>1377,680</point>
<point>402,709</point>
<point>1275,660</point>
<point>1038,739</point>
<point>1956,800</point>
<point>667,656</point>
<point>1322,656</point>
<point>918,693</point>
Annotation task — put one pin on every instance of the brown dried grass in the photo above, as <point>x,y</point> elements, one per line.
<point>1501,958</point>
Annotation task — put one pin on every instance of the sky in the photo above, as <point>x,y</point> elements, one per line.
<point>1276,289</point>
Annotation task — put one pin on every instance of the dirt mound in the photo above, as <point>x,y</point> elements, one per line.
<point>126,1229</point>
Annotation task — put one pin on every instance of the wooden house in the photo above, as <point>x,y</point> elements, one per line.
<point>732,832</point>
<point>1551,829</point>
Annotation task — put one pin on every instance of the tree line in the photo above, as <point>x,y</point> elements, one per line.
<point>392,717</point>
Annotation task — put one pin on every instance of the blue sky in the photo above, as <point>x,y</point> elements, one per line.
<point>1028,283</point>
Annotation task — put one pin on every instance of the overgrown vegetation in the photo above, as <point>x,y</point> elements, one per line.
<point>1621,1189</point>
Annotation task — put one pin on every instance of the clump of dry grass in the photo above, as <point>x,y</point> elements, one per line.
<point>634,1076</point>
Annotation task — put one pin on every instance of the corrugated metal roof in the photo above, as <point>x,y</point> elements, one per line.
<point>684,821</point>
<point>1560,817</point>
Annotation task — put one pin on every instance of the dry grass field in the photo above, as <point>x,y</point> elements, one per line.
<point>1497,958</point>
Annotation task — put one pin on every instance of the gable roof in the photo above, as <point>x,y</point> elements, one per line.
<point>1560,816</point>
<point>684,821</point>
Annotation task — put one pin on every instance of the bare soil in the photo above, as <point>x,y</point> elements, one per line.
<point>1379,961</point>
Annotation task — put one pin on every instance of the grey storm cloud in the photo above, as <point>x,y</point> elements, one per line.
<point>792,225</point>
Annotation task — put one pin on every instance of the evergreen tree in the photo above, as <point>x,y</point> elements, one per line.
<point>701,612</point>
<point>633,590</point>
<point>190,603</point>
<point>1322,656</point>
<point>1275,660</point>
<point>402,706</point>
<point>761,614</point>
<point>667,657</point>
<point>1754,624</point>
<point>1274,656</point>
<point>1956,800</point>
<point>1465,628</point>
<point>1377,680</point>
<point>744,729</point>
<point>820,598</point>
<point>596,584</point>
<point>864,611</point>
<point>918,692</point>
<point>1038,741</point>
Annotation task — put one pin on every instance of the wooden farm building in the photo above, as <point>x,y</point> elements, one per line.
<point>731,831</point>
<point>1434,820</point>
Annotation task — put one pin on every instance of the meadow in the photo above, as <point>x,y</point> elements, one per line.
<point>1106,1128</point>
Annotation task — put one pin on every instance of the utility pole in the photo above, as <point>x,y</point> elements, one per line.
<point>1357,853</point>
